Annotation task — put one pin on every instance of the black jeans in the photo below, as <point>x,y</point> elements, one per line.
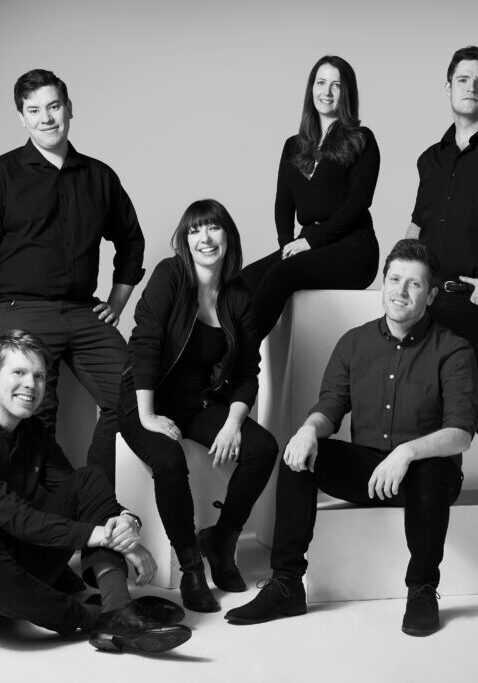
<point>341,265</point>
<point>166,459</point>
<point>343,470</point>
<point>27,572</point>
<point>456,312</point>
<point>95,352</point>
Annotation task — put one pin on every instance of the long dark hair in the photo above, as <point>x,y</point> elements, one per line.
<point>208,212</point>
<point>343,141</point>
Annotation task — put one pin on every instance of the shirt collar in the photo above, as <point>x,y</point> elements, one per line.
<point>414,336</point>
<point>9,437</point>
<point>449,138</point>
<point>31,155</point>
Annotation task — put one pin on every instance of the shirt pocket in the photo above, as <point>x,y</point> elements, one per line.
<point>419,404</point>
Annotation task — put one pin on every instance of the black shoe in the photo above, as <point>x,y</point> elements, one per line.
<point>195,592</point>
<point>68,582</point>
<point>151,606</point>
<point>220,555</point>
<point>128,628</point>
<point>421,615</point>
<point>279,597</point>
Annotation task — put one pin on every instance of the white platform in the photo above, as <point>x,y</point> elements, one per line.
<point>135,490</point>
<point>361,553</point>
<point>356,553</point>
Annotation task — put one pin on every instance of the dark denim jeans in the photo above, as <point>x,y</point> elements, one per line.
<point>343,470</point>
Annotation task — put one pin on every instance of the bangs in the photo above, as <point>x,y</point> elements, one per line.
<point>197,216</point>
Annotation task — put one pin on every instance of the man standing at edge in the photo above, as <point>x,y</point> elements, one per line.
<point>411,386</point>
<point>47,510</point>
<point>445,217</point>
<point>55,207</point>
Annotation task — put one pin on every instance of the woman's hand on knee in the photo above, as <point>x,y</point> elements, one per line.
<point>295,247</point>
<point>162,425</point>
<point>227,444</point>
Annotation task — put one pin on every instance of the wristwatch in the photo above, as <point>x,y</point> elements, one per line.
<point>133,516</point>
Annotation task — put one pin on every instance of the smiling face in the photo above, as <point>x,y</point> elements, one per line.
<point>208,245</point>
<point>47,118</point>
<point>22,386</point>
<point>406,294</point>
<point>326,91</point>
<point>463,89</point>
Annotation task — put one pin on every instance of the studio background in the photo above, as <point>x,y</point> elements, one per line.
<point>188,99</point>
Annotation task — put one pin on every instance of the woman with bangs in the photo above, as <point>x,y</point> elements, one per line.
<point>327,177</point>
<point>193,371</point>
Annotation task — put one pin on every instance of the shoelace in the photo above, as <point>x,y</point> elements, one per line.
<point>273,581</point>
<point>421,589</point>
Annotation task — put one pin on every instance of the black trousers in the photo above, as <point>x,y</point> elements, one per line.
<point>166,459</point>
<point>94,351</point>
<point>343,470</point>
<point>342,265</point>
<point>27,572</point>
<point>456,312</point>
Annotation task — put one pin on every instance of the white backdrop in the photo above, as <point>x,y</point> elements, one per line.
<point>194,98</point>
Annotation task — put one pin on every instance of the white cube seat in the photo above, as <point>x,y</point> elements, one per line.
<point>135,490</point>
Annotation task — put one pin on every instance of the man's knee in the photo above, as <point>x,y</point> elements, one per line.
<point>432,479</point>
<point>91,477</point>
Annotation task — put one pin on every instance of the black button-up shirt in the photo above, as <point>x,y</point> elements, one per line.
<point>446,209</point>
<point>400,390</point>
<point>52,222</point>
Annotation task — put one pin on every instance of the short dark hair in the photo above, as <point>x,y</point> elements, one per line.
<point>18,340</point>
<point>470,52</point>
<point>33,80</point>
<point>413,250</point>
<point>208,212</point>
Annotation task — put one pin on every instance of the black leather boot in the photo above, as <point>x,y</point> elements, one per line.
<point>219,549</point>
<point>195,592</point>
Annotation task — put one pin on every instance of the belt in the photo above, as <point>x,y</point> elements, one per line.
<point>453,287</point>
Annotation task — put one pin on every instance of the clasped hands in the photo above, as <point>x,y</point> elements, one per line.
<point>120,534</point>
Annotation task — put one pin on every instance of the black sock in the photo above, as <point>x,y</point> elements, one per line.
<point>112,585</point>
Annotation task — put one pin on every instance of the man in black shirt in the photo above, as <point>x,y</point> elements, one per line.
<point>47,510</point>
<point>411,386</point>
<point>55,207</point>
<point>445,217</point>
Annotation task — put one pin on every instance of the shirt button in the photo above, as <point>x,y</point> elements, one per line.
<point>398,347</point>
<point>392,376</point>
<point>36,468</point>
<point>387,406</point>
<point>385,436</point>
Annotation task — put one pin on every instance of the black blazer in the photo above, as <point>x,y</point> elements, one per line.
<point>165,316</point>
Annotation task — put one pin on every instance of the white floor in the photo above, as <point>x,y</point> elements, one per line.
<point>356,642</point>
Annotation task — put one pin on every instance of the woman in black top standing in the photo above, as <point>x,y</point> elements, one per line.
<point>327,177</point>
<point>193,374</point>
